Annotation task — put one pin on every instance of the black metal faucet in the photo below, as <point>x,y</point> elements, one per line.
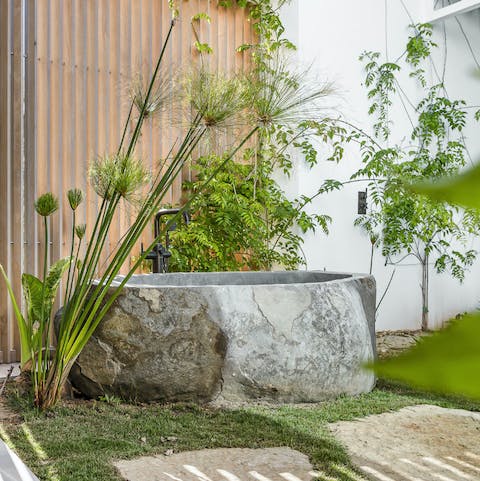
<point>160,254</point>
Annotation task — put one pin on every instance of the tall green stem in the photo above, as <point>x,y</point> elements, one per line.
<point>38,364</point>
<point>72,247</point>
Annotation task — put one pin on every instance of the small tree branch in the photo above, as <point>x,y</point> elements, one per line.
<point>385,291</point>
<point>5,381</point>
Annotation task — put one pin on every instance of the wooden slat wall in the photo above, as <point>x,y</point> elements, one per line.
<point>71,62</point>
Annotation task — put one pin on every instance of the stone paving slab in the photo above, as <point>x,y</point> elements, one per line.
<point>419,443</point>
<point>4,368</point>
<point>270,464</point>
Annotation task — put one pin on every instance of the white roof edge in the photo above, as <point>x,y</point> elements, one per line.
<point>463,6</point>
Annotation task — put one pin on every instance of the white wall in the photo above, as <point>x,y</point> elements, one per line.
<point>330,35</point>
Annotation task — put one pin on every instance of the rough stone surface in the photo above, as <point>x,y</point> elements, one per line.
<point>301,341</point>
<point>5,369</point>
<point>209,464</point>
<point>419,442</point>
<point>154,344</point>
<point>392,343</point>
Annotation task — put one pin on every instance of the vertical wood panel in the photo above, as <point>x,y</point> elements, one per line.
<point>238,38</point>
<point>17,165</point>
<point>113,104</point>
<point>4,159</point>
<point>91,104</point>
<point>66,167</point>
<point>79,148</point>
<point>102,95</point>
<point>138,75</point>
<point>248,38</point>
<point>30,135</point>
<point>56,127</point>
<point>126,74</point>
<point>42,97</point>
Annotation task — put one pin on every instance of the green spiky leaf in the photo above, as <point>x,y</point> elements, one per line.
<point>46,204</point>
<point>22,325</point>
<point>75,198</point>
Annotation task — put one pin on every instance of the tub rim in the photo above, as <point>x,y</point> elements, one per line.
<point>344,277</point>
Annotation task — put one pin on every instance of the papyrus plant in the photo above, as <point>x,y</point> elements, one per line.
<point>115,177</point>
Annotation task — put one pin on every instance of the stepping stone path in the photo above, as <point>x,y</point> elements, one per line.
<point>419,443</point>
<point>271,464</point>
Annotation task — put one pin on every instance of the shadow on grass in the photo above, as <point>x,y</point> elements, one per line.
<point>80,441</point>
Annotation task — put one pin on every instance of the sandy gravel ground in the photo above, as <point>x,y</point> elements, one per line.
<point>418,443</point>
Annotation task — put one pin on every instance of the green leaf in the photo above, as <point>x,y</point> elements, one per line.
<point>203,47</point>
<point>33,293</point>
<point>55,274</point>
<point>22,325</point>
<point>201,16</point>
<point>244,47</point>
<point>463,189</point>
<point>446,362</point>
<point>39,299</point>
<point>172,5</point>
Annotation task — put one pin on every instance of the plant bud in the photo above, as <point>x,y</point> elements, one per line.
<point>75,198</point>
<point>46,204</point>
<point>80,231</point>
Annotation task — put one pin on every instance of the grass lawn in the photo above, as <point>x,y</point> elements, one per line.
<point>78,441</point>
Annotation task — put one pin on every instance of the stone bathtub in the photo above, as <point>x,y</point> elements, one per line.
<point>298,336</point>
